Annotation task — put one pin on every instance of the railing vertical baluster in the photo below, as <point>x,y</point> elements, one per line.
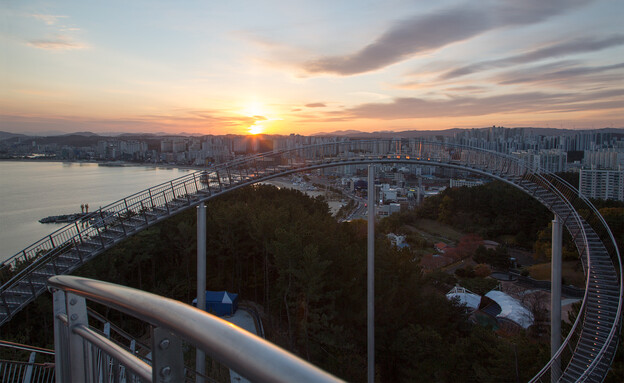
<point>207,181</point>
<point>144,210</point>
<point>196,185</point>
<point>77,229</point>
<point>219,179</point>
<point>51,240</point>
<point>78,250</point>
<point>188,197</point>
<point>123,226</point>
<point>166,203</point>
<point>150,195</point>
<point>100,236</point>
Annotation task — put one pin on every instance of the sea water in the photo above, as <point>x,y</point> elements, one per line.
<point>31,190</point>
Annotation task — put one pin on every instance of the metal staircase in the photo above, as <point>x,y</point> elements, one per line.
<point>596,343</point>
<point>586,353</point>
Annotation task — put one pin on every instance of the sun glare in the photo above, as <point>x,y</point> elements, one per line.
<point>256,129</point>
<point>262,116</point>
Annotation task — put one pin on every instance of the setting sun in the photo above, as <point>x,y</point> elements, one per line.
<point>256,128</point>
<point>260,117</point>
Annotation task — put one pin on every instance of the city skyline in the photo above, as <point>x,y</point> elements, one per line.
<point>305,68</point>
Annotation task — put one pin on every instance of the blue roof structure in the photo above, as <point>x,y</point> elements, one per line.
<point>220,303</point>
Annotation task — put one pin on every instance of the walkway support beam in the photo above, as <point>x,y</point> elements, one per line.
<point>200,361</point>
<point>371,274</point>
<point>555,296</point>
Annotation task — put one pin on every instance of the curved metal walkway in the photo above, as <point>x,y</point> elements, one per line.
<point>585,354</point>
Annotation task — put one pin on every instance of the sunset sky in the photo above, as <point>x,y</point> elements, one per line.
<point>217,67</point>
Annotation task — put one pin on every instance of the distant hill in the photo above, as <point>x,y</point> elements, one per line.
<point>7,135</point>
<point>86,134</point>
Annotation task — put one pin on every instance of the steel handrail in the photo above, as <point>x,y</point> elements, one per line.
<point>249,355</point>
<point>134,364</point>
<point>19,346</point>
<point>579,318</point>
<point>615,326</point>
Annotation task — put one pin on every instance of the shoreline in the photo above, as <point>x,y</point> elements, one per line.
<point>107,163</point>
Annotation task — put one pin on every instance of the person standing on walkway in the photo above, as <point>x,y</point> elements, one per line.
<point>82,207</point>
<point>87,207</point>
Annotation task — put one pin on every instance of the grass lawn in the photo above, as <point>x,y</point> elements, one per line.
<point>572,273</point>
<point>438,230</point>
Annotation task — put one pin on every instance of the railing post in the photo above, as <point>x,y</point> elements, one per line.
<point>29,368</point>
<point>61,361</point>
<point>371,275</point>
<point>167,362</point>
<point>196,185</point>
<point>149,191</point>
<point>121,222</point>
<point>555,297</point>
<point>77,230</point>
<point>229,176</point>
<point>79,354</point>
<point>166,203</point>
<point>144,213</point>
<point>100,236</point>
<point>200,362</point>
<point>188,197</point>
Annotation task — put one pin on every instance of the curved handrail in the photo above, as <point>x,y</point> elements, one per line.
<point>248,354</point>
<point>579,318</point>
<point>616,257</point>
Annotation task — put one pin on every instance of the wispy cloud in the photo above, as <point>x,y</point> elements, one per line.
<point>58,37</point>
<point>562,72</point>
<point>420,34</point>
<point>560,49</point>
<point>315,105</point>
<point>48,19</point>
<point>533,102</point>
<point>59,43</point>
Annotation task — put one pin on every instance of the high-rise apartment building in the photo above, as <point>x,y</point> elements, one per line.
<point>602,183</point>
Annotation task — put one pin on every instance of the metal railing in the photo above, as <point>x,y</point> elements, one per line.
<point>84,355</point>
<point>31,371</point>
<point>77,243</point>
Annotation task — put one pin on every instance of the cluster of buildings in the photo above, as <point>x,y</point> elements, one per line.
<point>597,155</point>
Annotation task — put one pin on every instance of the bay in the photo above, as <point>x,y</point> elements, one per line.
<point>32,190</point>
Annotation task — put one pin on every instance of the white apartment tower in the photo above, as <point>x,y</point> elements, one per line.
<point>602,183</point>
